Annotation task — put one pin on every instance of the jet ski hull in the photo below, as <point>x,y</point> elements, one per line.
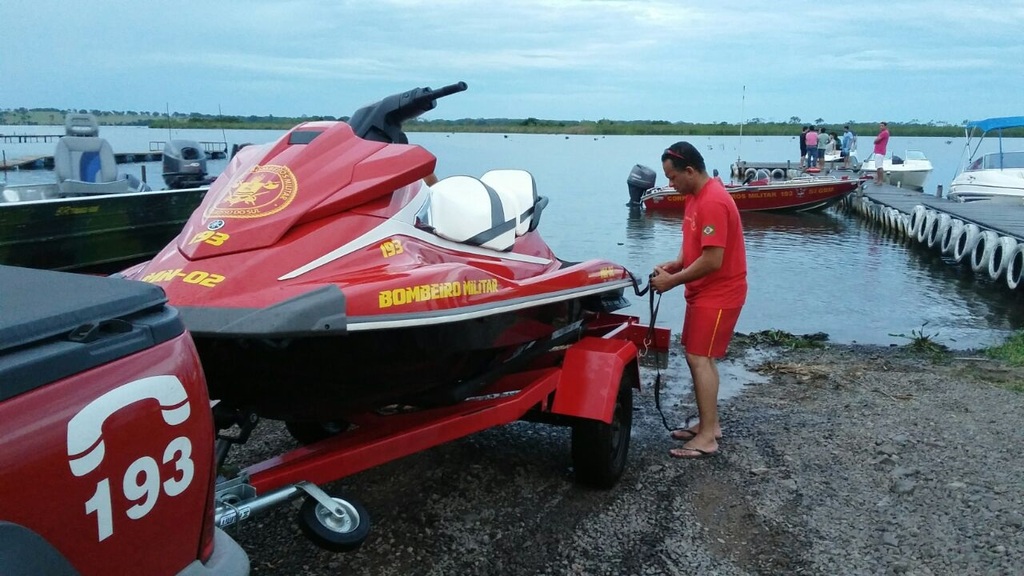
<point>324,378</point>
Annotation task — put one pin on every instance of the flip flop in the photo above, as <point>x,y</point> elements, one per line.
<point>685,434</point>
<point>696,453</point>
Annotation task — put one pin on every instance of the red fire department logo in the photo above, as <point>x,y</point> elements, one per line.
<point>265,190</point>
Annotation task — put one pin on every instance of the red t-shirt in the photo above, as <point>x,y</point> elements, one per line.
<point>711,218</point>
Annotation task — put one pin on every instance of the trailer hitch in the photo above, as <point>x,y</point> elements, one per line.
<point>335,524</point>
<point>236,500</point>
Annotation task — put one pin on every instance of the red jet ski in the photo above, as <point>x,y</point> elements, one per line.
<point>322,276</point>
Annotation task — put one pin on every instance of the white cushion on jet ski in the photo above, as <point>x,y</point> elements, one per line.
<point>464,209</point>
<point>519,184</point>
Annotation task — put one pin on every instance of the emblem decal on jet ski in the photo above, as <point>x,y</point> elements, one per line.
<point>265,190</point>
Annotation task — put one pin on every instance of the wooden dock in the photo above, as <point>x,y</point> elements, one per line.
<point>986,235</point>
<point>1005,216</point>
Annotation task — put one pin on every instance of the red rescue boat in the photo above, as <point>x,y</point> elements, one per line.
<point>800,194</point>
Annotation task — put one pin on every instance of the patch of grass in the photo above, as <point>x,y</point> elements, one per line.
<point>1011,351</point>
<point>782,338</point>
<point>923,342</point>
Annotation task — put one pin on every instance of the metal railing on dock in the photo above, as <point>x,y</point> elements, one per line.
<point>213,149</point>
<point>29,138</point>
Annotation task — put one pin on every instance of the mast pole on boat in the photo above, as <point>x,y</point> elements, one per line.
<point>743,114</point>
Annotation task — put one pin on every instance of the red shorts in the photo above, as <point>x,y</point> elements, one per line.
<point>708,331</point>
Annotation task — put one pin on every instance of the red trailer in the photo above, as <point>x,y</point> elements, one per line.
<point>587,385</point>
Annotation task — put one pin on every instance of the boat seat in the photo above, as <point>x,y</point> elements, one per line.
<point>86,165</point>
<point>521,185</point>
<point>464,209</point>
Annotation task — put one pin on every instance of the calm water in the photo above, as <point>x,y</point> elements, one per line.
<point>826,272</point>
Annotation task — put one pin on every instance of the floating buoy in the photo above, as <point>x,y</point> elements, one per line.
<point>929,219</point>
<point>950,235</point>
<point>983,251</point>
<point>865,205</point>
<point>1001,256</point>
<point>966,241</point>
<point>894,221</point>
<point>871,212</point>
<point>778,174</point>
<point>1015,267</point>
<point>749,173</point>
<point>904,224</point>
<point>883,218</point>
<point>917,219</point>
<point>938,228</point>
<point>813,170</point>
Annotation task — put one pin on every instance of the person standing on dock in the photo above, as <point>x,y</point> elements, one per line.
<point>881,143</point>
<point>847,146</point>
<point>812,147</point>
<point>803,146</point>
<point>712,265</point>
<point>824,139</point>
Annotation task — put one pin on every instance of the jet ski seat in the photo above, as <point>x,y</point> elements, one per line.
<point>521,185</point>
<point>465,209</point>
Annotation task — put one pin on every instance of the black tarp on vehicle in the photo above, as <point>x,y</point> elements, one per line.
<point>56,324</point>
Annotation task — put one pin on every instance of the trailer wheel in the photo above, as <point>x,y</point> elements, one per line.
<point>313,432</point>
<point>599,450</point>
<point>335,532</point>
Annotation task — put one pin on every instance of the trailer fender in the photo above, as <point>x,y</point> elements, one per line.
<point>591,372</point>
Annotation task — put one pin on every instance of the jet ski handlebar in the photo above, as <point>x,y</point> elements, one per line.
<point>382,121</point>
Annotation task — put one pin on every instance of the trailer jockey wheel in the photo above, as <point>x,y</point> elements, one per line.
<point>599,450</point>
<point>312,432</point>
<point>342,532</point>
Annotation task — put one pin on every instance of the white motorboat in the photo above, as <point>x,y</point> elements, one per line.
<point>908,171</point>
<point>989,173</point>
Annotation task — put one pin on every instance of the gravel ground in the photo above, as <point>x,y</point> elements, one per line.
<point>841,460</point>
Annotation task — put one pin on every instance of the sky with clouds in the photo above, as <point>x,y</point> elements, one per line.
<point>674,60</point>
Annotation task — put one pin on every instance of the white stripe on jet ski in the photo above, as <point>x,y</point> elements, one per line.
<point>481,311</point>
<point>402,224</point>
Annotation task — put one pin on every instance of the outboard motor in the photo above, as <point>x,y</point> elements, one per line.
<point>641,179</point>
<point>184,164</point>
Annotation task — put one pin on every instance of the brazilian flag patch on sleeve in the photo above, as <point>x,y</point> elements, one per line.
<point>709,230</point>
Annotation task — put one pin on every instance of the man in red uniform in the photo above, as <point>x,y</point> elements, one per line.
<point>712,264</point>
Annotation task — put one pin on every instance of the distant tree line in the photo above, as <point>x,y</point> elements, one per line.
<point>751,127</point>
